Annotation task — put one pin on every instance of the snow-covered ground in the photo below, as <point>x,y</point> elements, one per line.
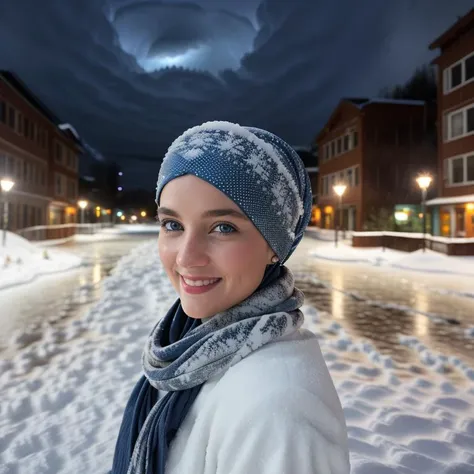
<point>22,262</point>
<point>419,261</point>
<point>63,396</point>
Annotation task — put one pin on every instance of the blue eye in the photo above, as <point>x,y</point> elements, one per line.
<point>171,226</point>
<point>225,228</point>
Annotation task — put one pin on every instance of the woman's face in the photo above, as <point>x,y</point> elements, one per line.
<point>213,254</point>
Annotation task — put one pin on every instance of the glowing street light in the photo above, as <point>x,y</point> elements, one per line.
<point>424,182</point>
<point>82,204</point>
<point>134,218</point>
<point>339,189</point>
<point>143,214</point>
<point>6,185</point>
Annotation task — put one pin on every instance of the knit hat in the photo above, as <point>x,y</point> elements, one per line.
<point>257,170</point>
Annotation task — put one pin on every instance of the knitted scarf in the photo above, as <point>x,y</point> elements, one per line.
<point>181,354</point>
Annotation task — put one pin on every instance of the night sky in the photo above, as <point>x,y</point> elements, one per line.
<point>130,76</point>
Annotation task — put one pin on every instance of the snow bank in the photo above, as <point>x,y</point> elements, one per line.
<point>419,261</point>
<point>63,395</point>
<point>22,262</point>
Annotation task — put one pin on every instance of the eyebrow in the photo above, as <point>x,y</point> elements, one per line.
<point>212,213</point>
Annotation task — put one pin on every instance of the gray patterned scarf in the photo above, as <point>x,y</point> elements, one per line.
<point>213,347</point>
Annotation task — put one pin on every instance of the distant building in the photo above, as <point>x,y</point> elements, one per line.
<point>309,156</point>
<point>40,154</point>
<point>453,210</point>
<point>376,147</point>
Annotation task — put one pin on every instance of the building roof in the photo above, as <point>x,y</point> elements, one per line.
<point>361,103</point>
<point>441,201</point>
<point>456,30</point>
<point>16,83</point>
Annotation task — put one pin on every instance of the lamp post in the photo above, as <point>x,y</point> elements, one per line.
<point>82,204</point>
<point>339,189</point>
<point>6,185</point>
<point>424,182</point>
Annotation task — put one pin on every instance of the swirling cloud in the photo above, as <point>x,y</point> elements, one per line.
<point>280,65</point>
<point>161,35</point>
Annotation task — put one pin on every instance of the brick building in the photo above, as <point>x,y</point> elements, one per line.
<point>376,147</point>
<point>453,210</point>
<point>39,154</point>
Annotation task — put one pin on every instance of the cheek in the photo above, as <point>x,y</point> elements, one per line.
<point>166,253</point>
<point>242,257</point>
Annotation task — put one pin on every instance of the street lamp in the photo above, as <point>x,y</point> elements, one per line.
<point>424,182</point>
<point>82,204</point>
<point>339,189</point>
<point>143,214</point>
<point>6,185</point>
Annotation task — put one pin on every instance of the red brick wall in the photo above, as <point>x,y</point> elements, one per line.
<point>451,101</point>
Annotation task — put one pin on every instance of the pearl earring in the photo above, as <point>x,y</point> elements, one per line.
<point>275,259</point>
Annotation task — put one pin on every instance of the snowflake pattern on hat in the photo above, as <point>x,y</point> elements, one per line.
<point>254,168</point>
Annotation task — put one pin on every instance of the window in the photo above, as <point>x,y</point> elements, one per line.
<point>58,185</point>
<point>11,117</point>
<point>458,74</point>
<point>333,148</point>
<point>59,153</point>
<point>457,170</point>
<point>19,168</point>
<point>469,68</point>
<point>355,139</point>
<point>460,170</point>
<point>350,177</point>
<point>325,186</point>
<point>470,168</point>
<point>356,176</point>
<point>339,146</point>
<point>19,122</point>
<point>11,166</point>
<point>456,123</point>
<point>3,112</point>
<point>346,143</point>
<point>470,120</point>
<point>460,123</point>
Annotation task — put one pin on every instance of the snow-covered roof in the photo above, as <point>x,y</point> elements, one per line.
<point>361,105</point>
<point>451,200</point>
<point>67,126</point>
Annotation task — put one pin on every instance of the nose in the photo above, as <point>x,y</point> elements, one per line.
<point>192,252</point>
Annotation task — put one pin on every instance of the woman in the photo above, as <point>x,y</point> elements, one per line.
<point>232,384</point>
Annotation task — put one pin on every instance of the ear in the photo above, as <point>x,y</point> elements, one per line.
<point>270,255</point>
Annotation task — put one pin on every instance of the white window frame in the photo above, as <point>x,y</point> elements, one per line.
<point>449,170</point>
<point>447,89</point>
<point>447,118</point>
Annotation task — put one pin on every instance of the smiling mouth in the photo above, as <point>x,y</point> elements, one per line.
<point>203,282</point>
<point>195,286</point>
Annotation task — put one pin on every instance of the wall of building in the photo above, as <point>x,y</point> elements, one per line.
<point>448,102</point>
<point>398,146</point>
<point>345,121</point>
<point>27,144</point>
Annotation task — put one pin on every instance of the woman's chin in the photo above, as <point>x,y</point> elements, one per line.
<point>196,312</point>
